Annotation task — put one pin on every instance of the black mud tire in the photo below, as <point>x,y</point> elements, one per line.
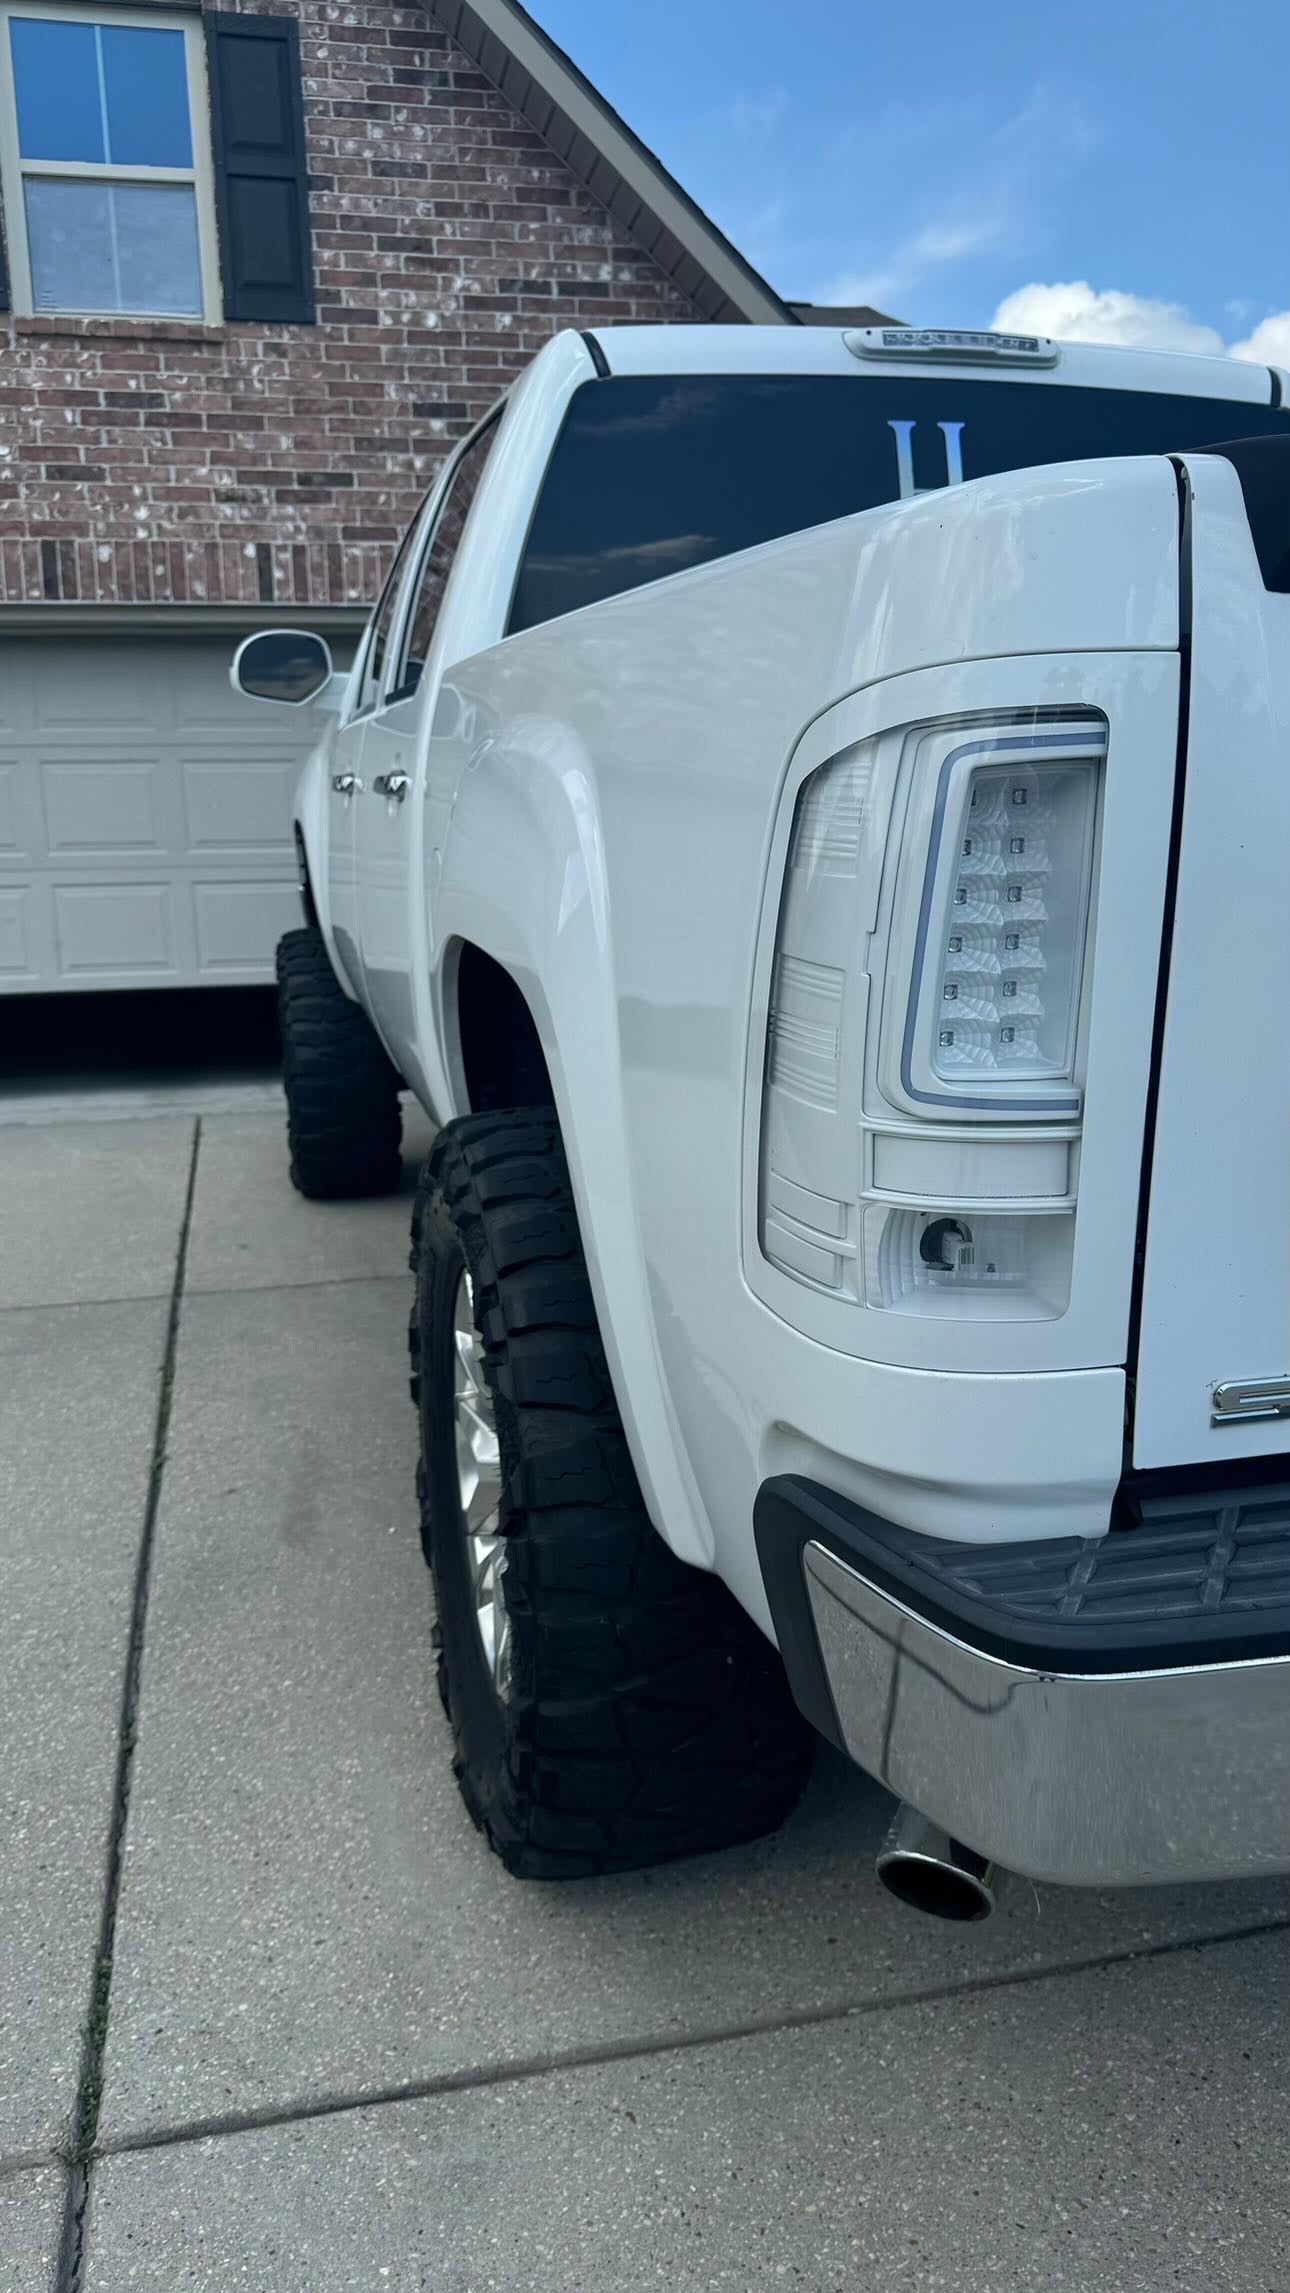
<point>344,1122</point>
<point>646,1716</point>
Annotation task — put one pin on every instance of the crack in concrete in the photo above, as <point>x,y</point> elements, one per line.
<point>208,1290</point>
<point>80,2151</point>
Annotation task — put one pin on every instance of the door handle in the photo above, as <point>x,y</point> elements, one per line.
<point>345,783</point>
<point>395,784</point>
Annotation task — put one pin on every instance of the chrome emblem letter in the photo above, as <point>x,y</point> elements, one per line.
<point>952,432</point>
<point>1238,1404</point>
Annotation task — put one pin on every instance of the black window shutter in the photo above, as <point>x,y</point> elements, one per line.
<point>261,179</point>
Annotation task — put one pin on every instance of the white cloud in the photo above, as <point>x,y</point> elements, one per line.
<point>937,243</point>
<point>1269,345</point>
<point>1076,312</point>
<point>949,241</point>
<point>852,287</point>
<point>976,186</point>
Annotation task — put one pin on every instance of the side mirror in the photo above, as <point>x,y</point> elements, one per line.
<point>288,665</point>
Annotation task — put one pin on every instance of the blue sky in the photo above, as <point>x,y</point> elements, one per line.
<point>937,160</point>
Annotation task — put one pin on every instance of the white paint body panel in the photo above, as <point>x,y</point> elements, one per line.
<point>823,350</point>
<point>604,811</point>
<point>601,805</point>
<point>344,842</point>
<point>479,593</point>
<point>1216,1294</point>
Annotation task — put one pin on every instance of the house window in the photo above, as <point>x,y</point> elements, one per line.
<point>105,160</point>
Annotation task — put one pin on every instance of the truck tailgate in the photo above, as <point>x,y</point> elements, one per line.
<point>1213,1351</point>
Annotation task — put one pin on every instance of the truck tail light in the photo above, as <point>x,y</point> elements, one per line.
<point>989,1266</point>
<point>999,945</point>
<point>922,1094</point>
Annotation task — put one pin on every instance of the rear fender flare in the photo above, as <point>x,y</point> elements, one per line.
<point>521,874</point>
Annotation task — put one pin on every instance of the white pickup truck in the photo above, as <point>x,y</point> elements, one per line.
<point>809,818</point>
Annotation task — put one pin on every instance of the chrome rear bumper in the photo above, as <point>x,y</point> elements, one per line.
<point>1094,1777</point>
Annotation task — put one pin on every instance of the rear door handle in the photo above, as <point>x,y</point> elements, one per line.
<point>345,783</point>
<point>395,784</point>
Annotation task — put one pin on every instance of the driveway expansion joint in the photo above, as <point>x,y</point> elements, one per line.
<point>16,2163</point>
<point>524,2068</point>
<point>81,2149</point>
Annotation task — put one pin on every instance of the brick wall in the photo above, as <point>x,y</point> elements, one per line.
<point>161,461</point>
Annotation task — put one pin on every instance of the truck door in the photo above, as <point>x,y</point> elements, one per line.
<point>346,771</point>
<point>1213,1364</point>
<point>389,875</point>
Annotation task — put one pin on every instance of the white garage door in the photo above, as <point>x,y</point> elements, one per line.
<point>145,816</point>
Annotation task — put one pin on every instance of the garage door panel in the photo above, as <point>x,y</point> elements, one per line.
<point>10,843</point>
<point>115,928</point>
<point>239,925</point>
<point>113,690</point>
<point>148,808</point>
<point>21,829</point>
<point>21,947</point>
<point>242,807</point>
<point>17,707</point>
<point>112,804</point>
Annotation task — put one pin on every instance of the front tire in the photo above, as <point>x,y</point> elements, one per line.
<point>344,1122</point>
<point>618,1708</point>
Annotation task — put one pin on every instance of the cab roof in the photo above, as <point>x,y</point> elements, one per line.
<point>828,350</point>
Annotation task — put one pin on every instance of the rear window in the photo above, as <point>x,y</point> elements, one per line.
<point>652,473</point>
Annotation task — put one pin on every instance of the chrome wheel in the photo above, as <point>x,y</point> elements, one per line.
<point>479,1487</point>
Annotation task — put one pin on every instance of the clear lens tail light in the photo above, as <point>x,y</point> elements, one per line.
<point>995,992</point>
<point>966,1264</point>
<point>924,1020</point>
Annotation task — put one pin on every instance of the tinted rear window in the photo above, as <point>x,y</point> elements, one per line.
<point>1263,467</point>
<point>653,473</point>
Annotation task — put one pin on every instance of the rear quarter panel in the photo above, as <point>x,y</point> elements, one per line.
<point>601,795</point>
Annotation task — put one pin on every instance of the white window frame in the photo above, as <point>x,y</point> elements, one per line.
<point>14,170</point>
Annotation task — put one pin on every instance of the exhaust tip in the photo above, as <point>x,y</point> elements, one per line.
<point>922,1866</point>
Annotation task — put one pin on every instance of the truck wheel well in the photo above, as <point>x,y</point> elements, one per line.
<point>500,1049</point>
<point>302,875</point>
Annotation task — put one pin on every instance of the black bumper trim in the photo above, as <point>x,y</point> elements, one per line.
<point>1202,1579</point>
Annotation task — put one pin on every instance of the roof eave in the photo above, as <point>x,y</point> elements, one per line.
<point>547,88</point>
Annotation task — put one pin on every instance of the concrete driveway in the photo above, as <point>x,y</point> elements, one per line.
<point>273,2018</point>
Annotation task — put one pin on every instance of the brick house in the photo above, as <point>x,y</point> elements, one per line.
<point>263,268</point>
